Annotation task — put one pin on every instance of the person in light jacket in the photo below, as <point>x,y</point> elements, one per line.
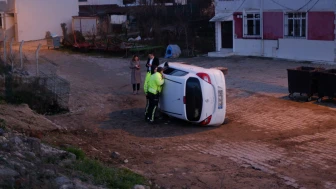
<point>135,74</point>
<point>154,88</point>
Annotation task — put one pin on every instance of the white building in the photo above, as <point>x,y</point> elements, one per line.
<point>300,29</point>
<point>30,20</point>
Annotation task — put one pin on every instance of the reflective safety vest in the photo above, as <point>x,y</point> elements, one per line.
<point>155,83</point>
<point>148,74</point>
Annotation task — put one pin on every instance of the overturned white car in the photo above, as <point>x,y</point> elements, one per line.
<point>193,93</point>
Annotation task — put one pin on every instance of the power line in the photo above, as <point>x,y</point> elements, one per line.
<point>240,5</point>
<point>304,5</point>
<point>313,5</point>
<point>291,8</point>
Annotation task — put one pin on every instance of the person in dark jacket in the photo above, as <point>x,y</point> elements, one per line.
<point>152,62</point>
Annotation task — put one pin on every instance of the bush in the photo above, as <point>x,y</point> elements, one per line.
<point>109,176</point>
<point>29,90</point>
<point>3,124</point>
<point>4,68</point>
<point>80,155</point>
<point>104,175</point>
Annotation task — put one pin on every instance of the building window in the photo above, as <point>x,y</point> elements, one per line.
<point>295,25</point>
<point>252,25</point>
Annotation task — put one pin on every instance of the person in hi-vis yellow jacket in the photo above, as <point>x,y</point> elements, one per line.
<point>153,89</point>
<point>145,86</point>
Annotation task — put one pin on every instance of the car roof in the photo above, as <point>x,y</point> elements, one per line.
<point>185,67</point>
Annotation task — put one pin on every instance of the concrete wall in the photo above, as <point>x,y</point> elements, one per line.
<point>298,49</point>
<point>36,17</point>
<point>102,2</point>
<point>275,5</point>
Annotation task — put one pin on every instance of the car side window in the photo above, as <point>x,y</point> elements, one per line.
<point>174,72</point>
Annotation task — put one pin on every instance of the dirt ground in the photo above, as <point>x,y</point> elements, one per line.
<point>268,141</point>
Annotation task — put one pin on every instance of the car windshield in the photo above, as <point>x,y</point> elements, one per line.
<point>194,99</point>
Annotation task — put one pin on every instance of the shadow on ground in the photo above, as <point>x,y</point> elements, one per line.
<point>132,121</point>
<point>330,103</point>
<point>255,86</point>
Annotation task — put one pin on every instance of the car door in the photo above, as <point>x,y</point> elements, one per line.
<point>173,92</point>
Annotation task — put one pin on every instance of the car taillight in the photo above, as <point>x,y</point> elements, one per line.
<point>206,121</point>
<point>184,100</point>
<point>204,76</point>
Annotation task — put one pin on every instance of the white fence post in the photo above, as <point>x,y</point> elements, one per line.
<point>37,57</point>
<point>20,50</point>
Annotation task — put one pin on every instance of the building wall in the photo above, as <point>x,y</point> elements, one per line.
<point>36,17</point>
<point>298,49</point>
<point>102,2</point>
<point>320,43</point>
<point>274,5</point>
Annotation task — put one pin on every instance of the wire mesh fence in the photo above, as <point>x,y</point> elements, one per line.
<point>36,84</point>
<point>58,87</point>
<point>46,94</point>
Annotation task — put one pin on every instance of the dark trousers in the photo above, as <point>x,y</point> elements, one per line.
<point>153,105</point>
<point>146,109</point>
<point>136,86</point>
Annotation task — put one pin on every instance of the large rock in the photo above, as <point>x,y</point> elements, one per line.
<point>2,132</point>
<point>7,172</point>
<point>64,183</point>
<point>34,145</point>
<point>27,163</point>
<point>7,177</point>
<point>16,142</point>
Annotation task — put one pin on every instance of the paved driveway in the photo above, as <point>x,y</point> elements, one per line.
<point>299,143</point>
